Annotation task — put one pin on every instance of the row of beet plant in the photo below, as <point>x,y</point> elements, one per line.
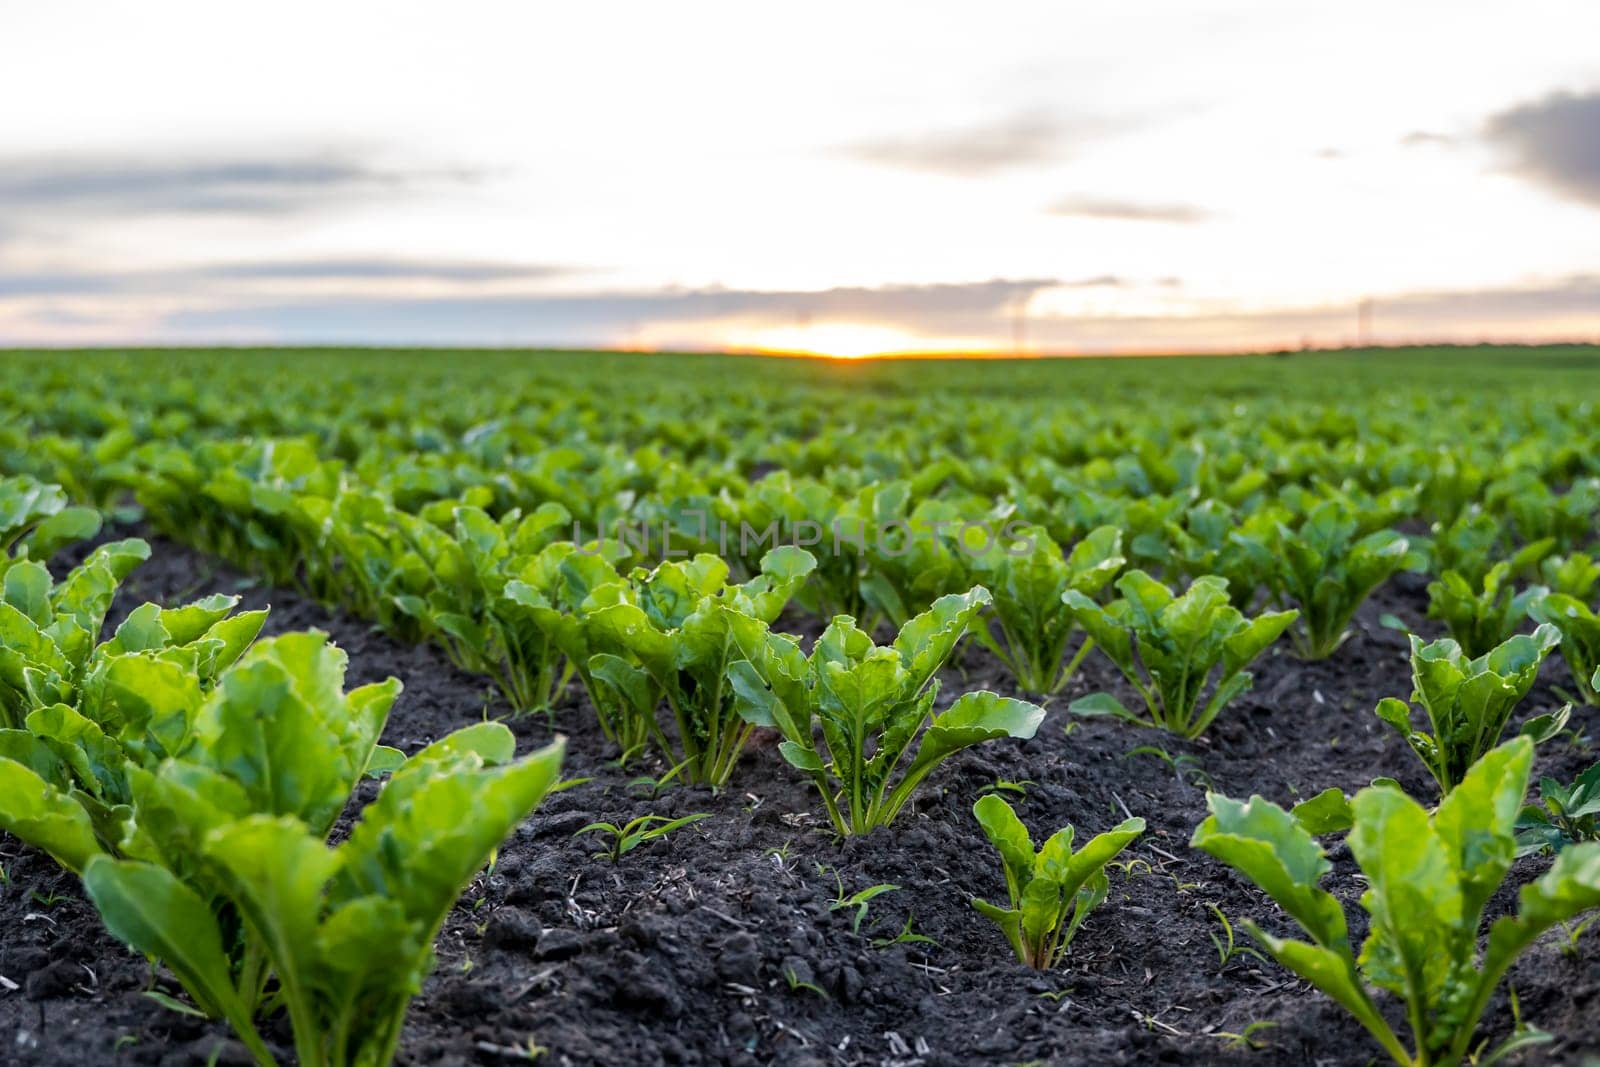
<point>442,571</point>
<point>1429,874</point>
<point>192,776</point>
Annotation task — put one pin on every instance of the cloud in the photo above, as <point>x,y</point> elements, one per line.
<point>1561,308</point>
<point>955,309</point>
<point>1022,140</point>
<point>101,186</point>
<point>230,277</point>
<point>386,269</point>
<point>56,284</point>
<point>1554,141</point>
<point>1092,207</point>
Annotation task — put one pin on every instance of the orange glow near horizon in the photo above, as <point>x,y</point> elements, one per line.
<point>841,340</point>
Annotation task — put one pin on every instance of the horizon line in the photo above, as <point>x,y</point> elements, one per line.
<point>907,355</point>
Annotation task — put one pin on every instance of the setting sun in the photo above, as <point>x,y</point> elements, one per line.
<point>838,340</point>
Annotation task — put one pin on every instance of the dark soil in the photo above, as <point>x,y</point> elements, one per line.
<point>718,944</point>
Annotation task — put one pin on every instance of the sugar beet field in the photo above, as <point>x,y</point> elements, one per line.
<point>582,708</point>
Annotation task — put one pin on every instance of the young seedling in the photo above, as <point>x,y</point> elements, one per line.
<point>1003,785</point>
<point>796,985</point>
<point>1227,949</point>
<point>1469,702</point>
<point>1181,764</point>
<point>630,835</point>
<point>1051,890</point>
<point>860,901</point>
<point>859,720</point>
<point>652,788</point>
<point>905,936</point>
<point>1429,879</point>
<point>1245,1040</point>
<point>1170,646</point>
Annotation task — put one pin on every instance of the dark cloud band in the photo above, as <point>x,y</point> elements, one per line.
<point>1554,141</point>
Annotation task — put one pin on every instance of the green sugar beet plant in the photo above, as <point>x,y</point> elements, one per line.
<point>1576,575</point>
<point>48,629</point>
<point>1469,701</point>
<point>224,872</point>
<point>911,556</point>
<point>1051,890</point>
<point>74,711</point>
<point>80,778</point>
<point>1170,646</point>
<point>465,606</point>
<point>1429,879</point>
<point>549,596</point>
<point>1327,569</point>
<point>36,521</point>
<point>346,934</point>
<point>1564,815</point>
<point>669,636</point>
<point>66,768</point>
<point>1029,625</point>
<point>1480,617</point>
<point>859,719</point>
<point>1213,538</point>
<point>1579,628</point>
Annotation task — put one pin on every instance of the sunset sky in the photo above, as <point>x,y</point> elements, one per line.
<point>845,178</point>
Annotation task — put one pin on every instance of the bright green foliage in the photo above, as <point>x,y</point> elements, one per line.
<point>626,837</point>
<point>48,629</point>
<point>35,521</point>
<point>913,554</point>
<point>548,597</point>
<point>859,720</point>
<point>1031,624</point>
<point>1327,570</point>
<point>1429,879</point>
<point>1216,539</point>
<point>1469,701</point>
<point>1051,890</point>
<point>1565,814</point>
<point>346,933</point>
<point>1169,647</point>
<point>1536,512</point>
<point>783,510</point>
<point>132,703</point>
<point>466,607</point>
<point>670,635</point>
<point>1576,575</point>
<point>860,901</point>
<point>1580,640</point>
<point>81,776</point>
<point>1475,541</point>
<point>1326,813</point>
<point>225,873</point>
<point>1480,618</point>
